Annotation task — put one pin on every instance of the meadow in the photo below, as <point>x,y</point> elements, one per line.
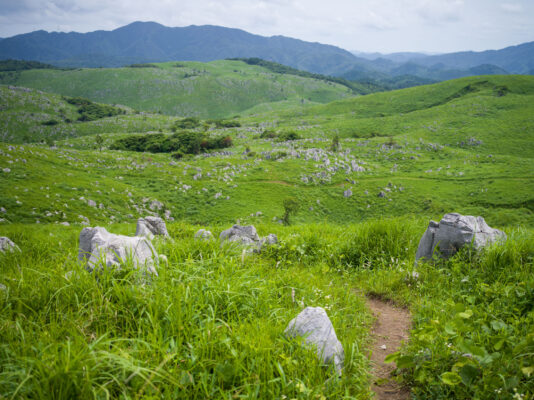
<point>367,173</point>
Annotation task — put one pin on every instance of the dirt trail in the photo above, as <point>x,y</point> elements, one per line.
<point>392,327</point>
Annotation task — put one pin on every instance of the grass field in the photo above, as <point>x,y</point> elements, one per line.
<point>208,90</point>
<point>211,325</point>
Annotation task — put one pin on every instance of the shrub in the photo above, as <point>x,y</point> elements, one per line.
<point>288,135</point>
<point>291,207</point>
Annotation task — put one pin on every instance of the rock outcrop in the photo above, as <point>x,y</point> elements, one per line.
<point>314,325</point>
<point>99,248</point>
<point>453,232</point>
<point>7,245</point>
<point>245,235</point>
<point>150,227</point>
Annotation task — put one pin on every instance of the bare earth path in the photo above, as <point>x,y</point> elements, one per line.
<point>392,327</point>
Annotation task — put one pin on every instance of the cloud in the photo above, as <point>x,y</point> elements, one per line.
<point>369,25</point>
<point>512,7</point>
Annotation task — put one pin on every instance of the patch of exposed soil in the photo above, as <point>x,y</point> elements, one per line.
<point>391,328</point>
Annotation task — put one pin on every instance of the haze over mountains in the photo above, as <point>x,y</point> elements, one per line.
<point>142,42</point>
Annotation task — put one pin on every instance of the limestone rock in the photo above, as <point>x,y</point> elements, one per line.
<point>98,247</point>
<point>245,235</point>
<point>455,231</point>
<point>150,227</point>
<point>314,325</point>
<point>7,245</point>
<point>203,234</point>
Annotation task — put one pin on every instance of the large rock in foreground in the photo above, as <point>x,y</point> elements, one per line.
<point>7,245</point>
<point>100,248</point>
<point>314,325</point>
<point>453,232</point>
<point>150,227</point>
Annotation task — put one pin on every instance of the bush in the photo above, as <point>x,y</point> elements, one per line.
<point>186,123</point>
<point>186,142</point>
<point>50,122</point>
<point>289,135</point>
<point>291,207</point>
<point>268,134</point>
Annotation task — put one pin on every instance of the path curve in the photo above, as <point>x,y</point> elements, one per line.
<point>391,328</point>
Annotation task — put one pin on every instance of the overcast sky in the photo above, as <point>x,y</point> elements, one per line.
<point>364,25</point>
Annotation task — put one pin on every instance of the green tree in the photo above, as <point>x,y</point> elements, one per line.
<point>291,207</point>
<point>99,142</point>
<point>334,146</point>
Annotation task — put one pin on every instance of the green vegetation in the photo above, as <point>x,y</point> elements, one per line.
<point>183,141</point>
<point>356,87</point>
<point>366,175</point>
<point>219,89</point>
<point>20,65</point>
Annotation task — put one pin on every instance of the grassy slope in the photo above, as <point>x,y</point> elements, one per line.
<point>208,90</point>
<point>436,172</point>
<point>211,325</point>
<point>23,112</point>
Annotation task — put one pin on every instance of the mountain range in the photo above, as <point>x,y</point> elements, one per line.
<point>142,42</point>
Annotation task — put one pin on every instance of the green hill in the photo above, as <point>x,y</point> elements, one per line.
<point>462,145</point>
<point>208,90</point>
<point>367,174</point>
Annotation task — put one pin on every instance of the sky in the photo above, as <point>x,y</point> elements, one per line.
<point>386,26</point>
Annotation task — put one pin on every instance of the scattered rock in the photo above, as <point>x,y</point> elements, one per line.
<point>150,227</point>
<point>98,247</point>
<point>155,205</point>
<point>347,193</point>
<point>455,231</point>
<point>381,194</point>
<point>91,203</point>
<point>314,325</point>
<point>7,245</point>
<point>203,234</point>
<point>246,235</point>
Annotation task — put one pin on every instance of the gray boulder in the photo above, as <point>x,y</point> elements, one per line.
<point>347,193</point>
<point>98,247</point>
<point>314,325</point>
<point>203,234</point>
<point>245,235</point>
<point>453,232</point>
<point>150,227</point>
<point>7,245</point>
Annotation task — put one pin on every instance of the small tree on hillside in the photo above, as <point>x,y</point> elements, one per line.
<point>99,142</point>
<point>291,207</point>
<point>334,146</point>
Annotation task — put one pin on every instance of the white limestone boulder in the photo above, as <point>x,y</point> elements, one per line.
<point>453,232</point>
<point>150,227</point>
<point>7,245</point>
<point>245,235</point>
<point>318,332</point>
<point>99,248</point>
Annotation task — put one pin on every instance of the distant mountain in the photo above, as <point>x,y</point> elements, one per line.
<point>396,57</point>
<point>142,42</point>
<point>515,59</point>
<point>147,42</point>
